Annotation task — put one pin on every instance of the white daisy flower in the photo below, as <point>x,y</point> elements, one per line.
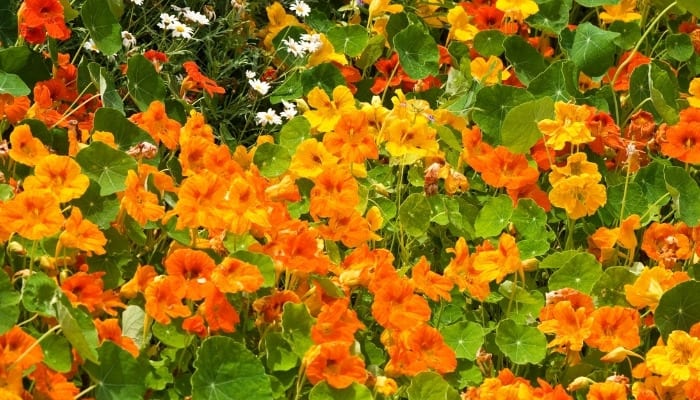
<point>90,45</point>
<point>312,42</point>
<point>137,2</point>
<point>294,47</point>
<point>290,110</point>
<point>249,74</point>
<point>128,40</point>
<point>300,8</point>
<point>180,30</point>
<point>268,117</point>
<point>195,17</point>
<point>166,20</point>
<point>259,86</point>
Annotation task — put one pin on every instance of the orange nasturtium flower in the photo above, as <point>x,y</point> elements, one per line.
<point>109,329</point>
<point>164,297</point>
<point>336,323</point>
<point>608,390</point>
<point>351,139</point>
<point>577,164</point>
<point>623,11</point>
<point>432,284</point>
<point>693,90</point>
<point>195,79</point>
<point>233,275</point>
<point>419,349</point>
<point>311,158</point>
<point>13,108</point>
<point>60,175</point>
<point>666,243</point>
<point>409,141</point>
<point>39,18</point>
<point>395,305</point>
<point>462,271</point>
<point>82,234</point>
<point>34,214</point>
<point>614,327</point>
<point>137,284</point>
<point>335,193</point>
<point>141,204</point>
<point>156,122</point>
<point>333,363</point>
<point>651,284</point>
<point>682,140</point>
<point>24,147</point>
<point>16,342</point>
<point>571,326</point>
<point>195,267</point>
<point>52,385</point>
<point>87,289</point>
<point>327,112</point>
<point>569,125</point>
<point>579,196</point>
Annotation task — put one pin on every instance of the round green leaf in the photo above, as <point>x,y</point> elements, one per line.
<point>296,327</point>
<point>596,3</point>
<point>106,166</point>
<point>290,89</point>
<point>522,344</point>
<point>418,52</point>
<point>594,49</point>
<point>40,294</point>
<point>227,370</point>
<point>272,159</point>
<point>133,319</point>
<point>144,83</point>
<point>13,85</point>
<point>102,26</point>
<point>679,308</point>
<point>9,303</point>
<point>119,375</point>
<point>494,216</point>
<point>353,392</point>
<point>57,354</point>
<point>171,335</point>
<point>78,328</point>
<point>526,60</point>
<point>630,33</point>
<point>489,42</point>
<point>279,354</point>
<point>610,288</point>
<point>431,386</point>
<point>655,81</point>
<point>491,106</point>
<point>326,76</point>
<point>349,39</point>
<point>414,214</point>
<point>465,338</point>
<point>559,81</point>
<point>552,17</point>
<point>580,273</point>
<point>126,133</point>
<point>685,193</point>
<point>519,131</point>
<point>679,46</point>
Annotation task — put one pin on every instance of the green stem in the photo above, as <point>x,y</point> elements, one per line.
<point>570,226</point>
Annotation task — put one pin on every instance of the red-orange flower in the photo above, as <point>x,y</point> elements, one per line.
<point>395,305</point>
<point>219,313</point>
<point>109,329</point>
<point>333,363</point>
<point>195,267</point>
<point>24,147</point>
<point>335,192</point>
<point>13,108</point>
<point>87,289</point>
<point>82,234</point>
<point>607,391</point>
<point>200,81</point>
<point>667,243</point>
<point>233,275</point>
<point>34,214</point>
<point>336,323</point>
<point>682,140</point>
<point>614,327</point>
<point>39,18</point>
<point>433,285</point>
<point>156,122</point>
<point>419,349</point>
<point>164,297</point>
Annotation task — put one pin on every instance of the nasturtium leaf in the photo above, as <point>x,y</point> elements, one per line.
<point>552,17</point>
<point>560,259</point>
<point>8,22</point>
<point>40,294</point>
<point>522,344</point>
<point>105,85</point>
<point>397,22</point>
<point>260,260</point>
<point>526,60</point>
<point>57,354</point>
<point>349,39</point>
<point>132,324</point>
<point>227,370</point>
<point>126,133</point>
<point>295,131</point>
<point>290,89</point>
<point>373,50</point>
<point>78,328</point>
<point>594,49</point>
<point>524,308</point>
<point>106,166</point>
<point>272,159</point>
<point>559,81</point>
<point>329,288</point>
<point>418,52</point>
<point>443,207</point>
<point>322,391</point>
<point>465,338</point>
<point>144,83</point>
<point>519,131</point>
<point>679,46</point>
<point>685,193</point>
<point>634,200</point>
<point>679,308</point>
<point>512,292</point>
<point>9,303</point>
<point>326,76</point>
<point>278,353</point>
<point>580,273</point>
<point>13,85</point>
<point>431,386</point>
<point>530,219</point>
<point>171,335</point>
<point>30,66</point>
<point>491,106</point>
<point>530,248</point>
<point>289,32</point>
<point>116,7</point>
<point>596,3</point>
<point>651,179</point>
<point>413,214</point>
<point>102,25</point>
<point>691,6</point>
<point>610,288</point>
<point>489,42</point>
<point>494,216</point>
<point>655,81</point>
<point>119,375</point>
<point>296,327</point>
<point>630,33</point>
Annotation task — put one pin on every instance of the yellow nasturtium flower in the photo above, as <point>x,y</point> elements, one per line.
<point>460,28</point>
<point>518,9</point>
<point>624,11</point>
<point>569,126</point>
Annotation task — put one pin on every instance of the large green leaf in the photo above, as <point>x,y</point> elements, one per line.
<point>552,17</point>
<point>8,22</point>
<point>227,370</point>
<point>685,193</point>
<point>144,83</point>
<point>580,273</point>
<point>679,308</point>
<point>57,353</point>
<point>260,260</point>
<point>559,81</point>
<point>126,133</point>
<point>29,65</point>
<point>119,376</point>
<point>106,166</point>
<point>465,338</point>
<point>655,82</point>
<point>431,386</point>
<point>278,353</point>
<point>9,303</point>
<point>594,49</point>
<point>13,85</point>
<point>526,60</point>
<point>102,26</point>
<point>78,328</point>
<point>349,39</point>
<point>272,159</point>
<point>353,392</point>
<point>418,52</point>
<point>610,288</point>
<point>693,6</point>
<point>522,344</point>
<point>596,3</point>
<point>489,42</point>
<point>519,131</point>
<point>40,293</point>
<point>105,85</point>
<point>326,76</point>
<point>414,214</point>
<point>491,106</point>
<point>296,327</point>
<point>133,325</point>
<point>494,216</point>
<point>530,219</point>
